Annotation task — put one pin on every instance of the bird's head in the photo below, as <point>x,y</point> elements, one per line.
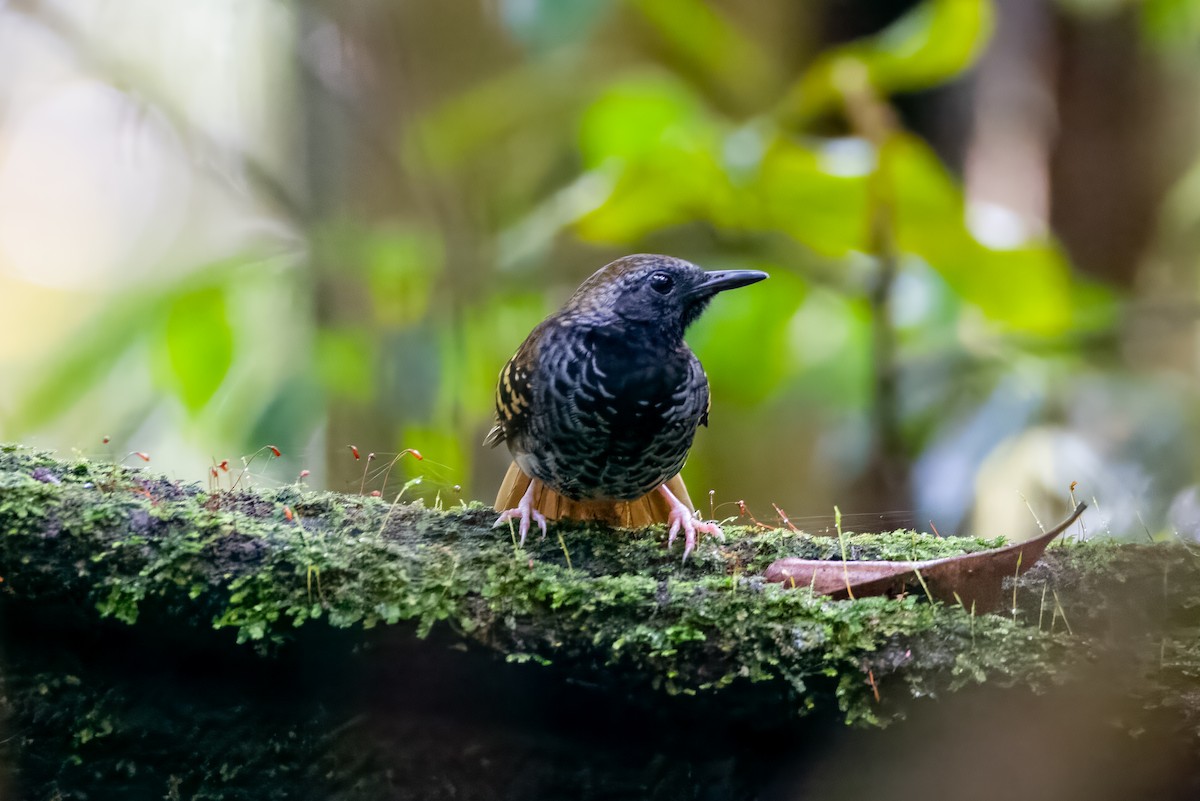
<point>658,290</point>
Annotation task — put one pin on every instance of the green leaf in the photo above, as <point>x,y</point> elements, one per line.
<point>639,118</point>
<point>760,315</point>
<point>401,267</point>
<point>805,195</point>
<point>475,346</point>
<point>1171,24</point>
<point>697,34</point>
<point>648,197</point>
<point>287,416</point>
<point>653,142</point>
<point>87,359</point>
<point>1026,288</point>
<point>127,323</point>
<point>446,453</point>
<point>199,342</point>
<point>929,45</point>
<point>343,363</point>
<point>522,103</point>
<point>830,352</point>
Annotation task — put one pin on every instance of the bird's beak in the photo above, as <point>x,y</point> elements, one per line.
<point>719,280</point>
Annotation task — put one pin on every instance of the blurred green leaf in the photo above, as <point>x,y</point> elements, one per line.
<point>343,363</point>
<point>531,102</point>
<point>199,343</point>
<point>1096,307</point>
<point>817,192</point>
<point>929,45</point>
<point>1026,288</point>
<point>481,344</point>
<point>127,323</point>
<point>639,117</point>
<point>708,44</point>
<point>662,153</point>
<point>646,198</point>
<point>85,362</point>
<point>401,267</point>
<point>1171,23</point>
<point>444,449</point>
<point>295,407</point>
<point>743,372</point>
<point>803,195</point>
<point>829,340</point>
<point>659,149</point>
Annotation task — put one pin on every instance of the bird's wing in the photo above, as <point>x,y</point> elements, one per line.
<point>513,397</point>
<point>690,398</point>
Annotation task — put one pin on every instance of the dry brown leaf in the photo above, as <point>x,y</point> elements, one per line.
<point>975,578</point>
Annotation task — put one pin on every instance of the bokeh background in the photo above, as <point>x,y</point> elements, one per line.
<point>323,224</point>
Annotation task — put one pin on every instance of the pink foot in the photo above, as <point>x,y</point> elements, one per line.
<point>524,510</point>
<point>682,517</point>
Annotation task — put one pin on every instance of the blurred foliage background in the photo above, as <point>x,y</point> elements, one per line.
<point>325,224</point>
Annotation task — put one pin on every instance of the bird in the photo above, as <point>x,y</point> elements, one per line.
<point>600,404</point>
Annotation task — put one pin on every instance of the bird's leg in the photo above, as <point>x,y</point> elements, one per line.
<point>524,510</point>
<point>682,518</point>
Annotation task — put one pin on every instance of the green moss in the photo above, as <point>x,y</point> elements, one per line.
<point>627,611</point>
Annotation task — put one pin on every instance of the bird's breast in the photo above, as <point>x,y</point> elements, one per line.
<point>610,417</point>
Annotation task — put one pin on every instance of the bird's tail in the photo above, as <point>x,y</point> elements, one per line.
<point>647,510</point>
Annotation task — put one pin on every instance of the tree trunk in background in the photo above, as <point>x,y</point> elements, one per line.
<point>1110,168</point>
<point>1008,148</point>
<point>1127,135</point>
<point>1083,129</point>
<point>339,299</point>
<point>362,82</point>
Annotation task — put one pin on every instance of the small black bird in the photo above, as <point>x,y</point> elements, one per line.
<point>601,401</point>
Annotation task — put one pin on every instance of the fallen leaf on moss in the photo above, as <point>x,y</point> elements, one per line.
<point>975,579</point>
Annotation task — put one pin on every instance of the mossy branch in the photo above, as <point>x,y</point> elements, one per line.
<point>624,613</point>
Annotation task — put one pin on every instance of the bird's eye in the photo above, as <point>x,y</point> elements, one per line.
<point>662,283</point>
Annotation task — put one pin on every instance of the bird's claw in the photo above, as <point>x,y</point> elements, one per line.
<point>524,511</point>
<point>682,518</point>
<point>691,527</point>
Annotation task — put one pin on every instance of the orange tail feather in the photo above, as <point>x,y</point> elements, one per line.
<point>649,509</point>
